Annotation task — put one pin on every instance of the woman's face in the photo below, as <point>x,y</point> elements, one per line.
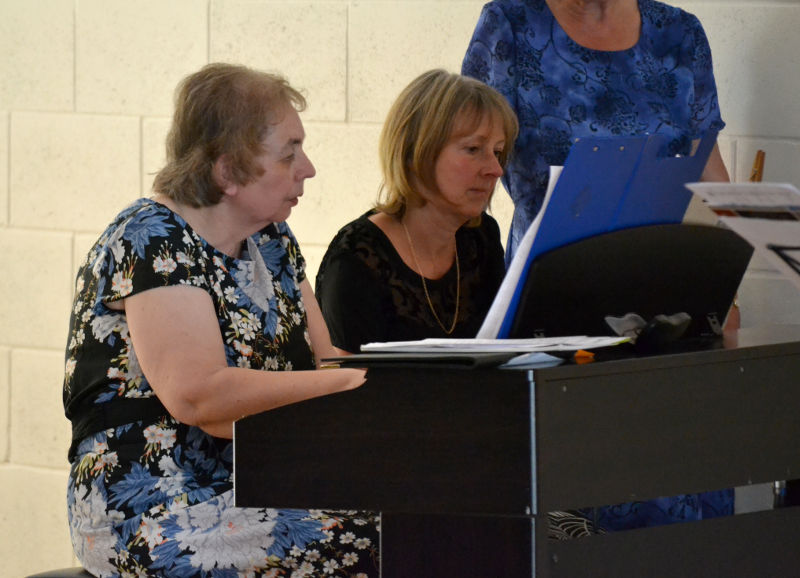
<point>269,198</point>
<point>467,169</point>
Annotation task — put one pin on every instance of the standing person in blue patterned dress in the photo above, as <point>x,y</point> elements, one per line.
<point>578,68</point>
<point>193,310</point>
<point>582,68</point>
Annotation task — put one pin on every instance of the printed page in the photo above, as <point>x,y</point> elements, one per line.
<point>497,312</point>
<point>766,215</point>
<point>445,345</point>
<point>726,198</point>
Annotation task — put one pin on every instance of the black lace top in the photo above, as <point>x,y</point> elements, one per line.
<point>368,294</point>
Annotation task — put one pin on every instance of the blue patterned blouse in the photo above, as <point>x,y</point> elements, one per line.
<point>561,90</point>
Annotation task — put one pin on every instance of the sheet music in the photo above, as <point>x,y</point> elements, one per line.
<point>766,215</point>
<point>569,343</point>
<point>733,197</point>
<point>494,318</point>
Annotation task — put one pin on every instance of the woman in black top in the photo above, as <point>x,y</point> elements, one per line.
<point>427,260</point>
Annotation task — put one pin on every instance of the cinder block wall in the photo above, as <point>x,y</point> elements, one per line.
<point>85,97</point>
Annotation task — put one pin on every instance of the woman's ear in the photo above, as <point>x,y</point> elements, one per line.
<point>221,172</point>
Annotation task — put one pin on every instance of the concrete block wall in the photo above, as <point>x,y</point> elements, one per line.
<point>85,98</point>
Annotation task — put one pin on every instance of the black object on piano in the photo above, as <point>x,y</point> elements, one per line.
<point>650,270</point>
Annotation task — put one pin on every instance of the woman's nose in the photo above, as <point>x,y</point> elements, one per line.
<point>494,168</point>
<point>308,170</point>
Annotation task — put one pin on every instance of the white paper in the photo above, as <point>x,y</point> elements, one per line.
<point>494,318</point>
<point>733,196</point>
<point>772,239</point>
<point>766,215</point>
<point>446,345</point>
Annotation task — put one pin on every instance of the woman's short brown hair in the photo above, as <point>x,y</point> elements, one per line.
<point>223,109</point>
<point>419,124</point>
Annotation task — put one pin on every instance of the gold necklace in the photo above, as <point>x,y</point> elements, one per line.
<point>425,285</point>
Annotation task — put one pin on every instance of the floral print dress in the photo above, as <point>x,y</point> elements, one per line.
<point>148,495</point>
<point>562,91</point>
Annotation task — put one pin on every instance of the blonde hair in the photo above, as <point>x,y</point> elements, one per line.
<point>419,125</point>
<point>223,109</point>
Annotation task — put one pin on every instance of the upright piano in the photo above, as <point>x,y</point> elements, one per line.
<point>464,464</point>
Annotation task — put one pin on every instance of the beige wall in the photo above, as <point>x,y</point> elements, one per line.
<point>85,96</point>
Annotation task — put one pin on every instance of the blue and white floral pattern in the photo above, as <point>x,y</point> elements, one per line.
<point>148,495</point>
<point>562,91</point>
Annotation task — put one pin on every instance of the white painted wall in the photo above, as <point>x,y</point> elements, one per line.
<point>85,98</point>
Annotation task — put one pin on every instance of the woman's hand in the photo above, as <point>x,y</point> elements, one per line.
<point>355,377</point>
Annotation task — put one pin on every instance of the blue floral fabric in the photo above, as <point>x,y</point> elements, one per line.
<point>562,91</point>
<point>661,511</point>
<point>148,495</point>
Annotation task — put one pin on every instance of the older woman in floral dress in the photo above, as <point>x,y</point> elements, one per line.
<point>193,310</point>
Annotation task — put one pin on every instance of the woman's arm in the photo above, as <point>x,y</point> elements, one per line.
<point>177,340</point>
<point>491,53</point>
<point>715,170</point>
